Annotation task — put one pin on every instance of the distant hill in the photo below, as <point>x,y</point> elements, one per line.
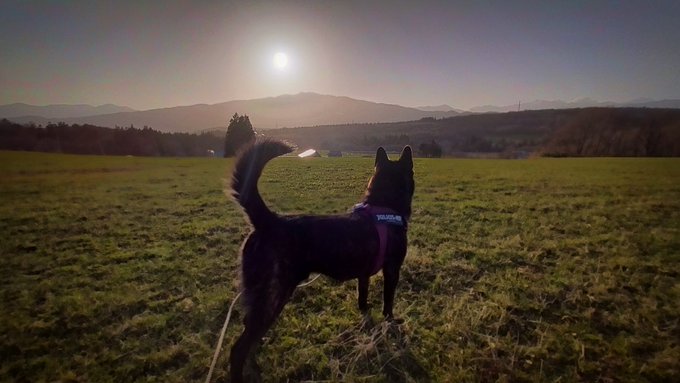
<point>440,108</point>
<point>302,109</point>
<point>672,104</point>
<point>58,111</point>
<point>553,132</point>
<point>581,103</point>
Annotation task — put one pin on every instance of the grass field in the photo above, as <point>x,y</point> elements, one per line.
<point>117,269</point>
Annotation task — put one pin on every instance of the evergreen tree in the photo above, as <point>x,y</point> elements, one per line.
<point>239,133</point>
<point>430,150</point>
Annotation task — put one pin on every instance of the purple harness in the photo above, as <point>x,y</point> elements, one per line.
<point>382,216</point>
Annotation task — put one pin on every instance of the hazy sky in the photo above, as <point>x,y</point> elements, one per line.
<point>463,53</point>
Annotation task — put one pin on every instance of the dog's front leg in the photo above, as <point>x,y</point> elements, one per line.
<point>391,278</point>
<point>363,294</point>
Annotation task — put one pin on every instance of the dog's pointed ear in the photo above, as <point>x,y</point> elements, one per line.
<point>406,157</point>
<point>381,157</point>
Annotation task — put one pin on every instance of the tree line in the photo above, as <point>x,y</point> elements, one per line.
<point>617,132</point>
<point>90,139</point>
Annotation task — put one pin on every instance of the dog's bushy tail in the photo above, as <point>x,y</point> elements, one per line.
<point>247,171</point>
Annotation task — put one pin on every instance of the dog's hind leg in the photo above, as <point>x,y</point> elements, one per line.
<point>363,293</point>
<point>242,348</point>
<point>267,303</point>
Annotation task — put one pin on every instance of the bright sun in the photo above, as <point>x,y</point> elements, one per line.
<point>280,60</point>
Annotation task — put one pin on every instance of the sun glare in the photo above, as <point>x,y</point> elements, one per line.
<point>280,60</point>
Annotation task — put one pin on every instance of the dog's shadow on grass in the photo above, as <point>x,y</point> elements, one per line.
<point>368,350</point>
<point>379,347</point>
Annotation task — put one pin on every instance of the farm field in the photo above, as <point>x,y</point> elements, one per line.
<point>120,269</point>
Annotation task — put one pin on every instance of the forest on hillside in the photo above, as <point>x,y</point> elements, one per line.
<point>555,132</point>
<point>617,132</point>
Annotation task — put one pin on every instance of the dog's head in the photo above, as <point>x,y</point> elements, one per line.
<point>392,183</point>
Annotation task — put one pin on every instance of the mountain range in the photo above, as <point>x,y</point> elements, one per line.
<point>302,109</point>
<point>580,103</point>
<point>59,110</point>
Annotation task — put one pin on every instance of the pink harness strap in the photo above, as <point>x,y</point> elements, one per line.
<point>382,236</point>
<point>383,216</point>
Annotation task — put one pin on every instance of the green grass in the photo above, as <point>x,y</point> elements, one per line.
<point>119,269</point>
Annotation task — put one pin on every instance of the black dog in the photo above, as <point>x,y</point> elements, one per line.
<point>282,251</point>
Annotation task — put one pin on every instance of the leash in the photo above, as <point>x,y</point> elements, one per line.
<point>226,323</point>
